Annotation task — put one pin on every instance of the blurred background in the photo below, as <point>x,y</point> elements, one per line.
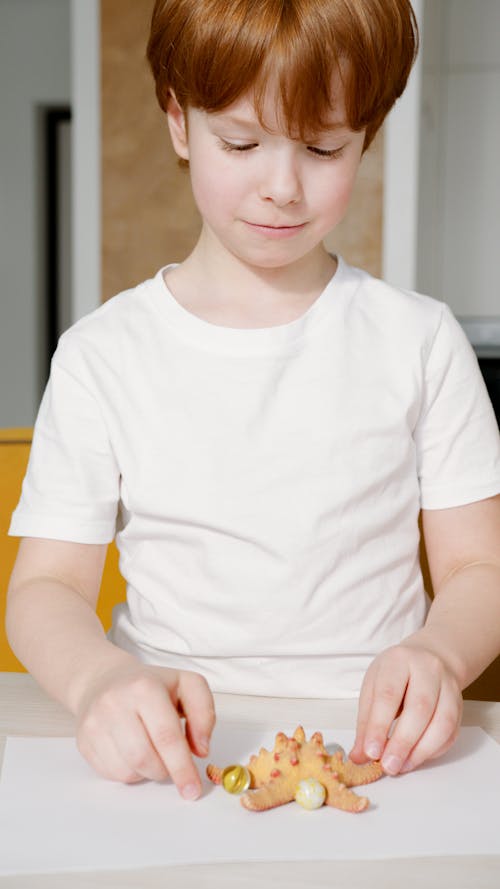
<point>92,200</point>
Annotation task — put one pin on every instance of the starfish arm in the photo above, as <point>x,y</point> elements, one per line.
<point>299,734</point>
<point>339,797</point>
<point>276,793</point>
<point>214,773</point>
<point>352,774</point>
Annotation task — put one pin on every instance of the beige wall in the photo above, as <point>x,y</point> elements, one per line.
<point>148,213</point>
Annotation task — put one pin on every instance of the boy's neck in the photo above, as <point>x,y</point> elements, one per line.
<point>220,288</point>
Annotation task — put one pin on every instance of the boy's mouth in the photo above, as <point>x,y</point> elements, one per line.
<point>277,230</point>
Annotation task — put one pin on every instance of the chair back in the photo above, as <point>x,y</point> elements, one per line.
<point>15,447</point>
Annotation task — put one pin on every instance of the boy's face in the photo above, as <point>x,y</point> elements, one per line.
<point>266,198</point>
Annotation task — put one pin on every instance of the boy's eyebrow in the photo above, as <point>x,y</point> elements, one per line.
<point>245,122</point>
<point>233,118</point>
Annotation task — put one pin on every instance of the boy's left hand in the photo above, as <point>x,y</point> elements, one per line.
<point>412,682</point>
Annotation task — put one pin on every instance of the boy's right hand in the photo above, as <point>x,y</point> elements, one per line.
<point>129,725</point>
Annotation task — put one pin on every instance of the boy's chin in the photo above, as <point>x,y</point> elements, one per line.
<point>273,256</point>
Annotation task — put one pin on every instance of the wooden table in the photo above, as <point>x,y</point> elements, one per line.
<point>26,710</point>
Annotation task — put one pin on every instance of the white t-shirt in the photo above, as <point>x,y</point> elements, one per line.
<point>264,485</point>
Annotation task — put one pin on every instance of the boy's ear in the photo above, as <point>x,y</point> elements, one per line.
<point>177,125</point>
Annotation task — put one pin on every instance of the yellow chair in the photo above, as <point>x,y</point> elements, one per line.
<point>14,452</point>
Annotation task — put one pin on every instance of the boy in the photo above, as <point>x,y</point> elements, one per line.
<point>260,425</point>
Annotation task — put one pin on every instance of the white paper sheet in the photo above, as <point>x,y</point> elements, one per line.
<point>56,814</point>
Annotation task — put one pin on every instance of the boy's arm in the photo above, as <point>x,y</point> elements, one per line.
<point>51,621</point>
<point>422,678</point>
<point>128,724</point>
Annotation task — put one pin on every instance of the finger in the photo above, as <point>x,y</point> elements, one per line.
<point>357,754</point>
<point>163,725</point>
<point>419,706</point>
<point>389,688</point>
<point>106,760</point>
<point>441,732</point>
<point>134,745</point>
<point>198,707</point>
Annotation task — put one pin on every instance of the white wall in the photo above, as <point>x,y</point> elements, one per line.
<point>459,220</point>
<point>86,157</point>
<point>34,68</point>
<point>401,179</point>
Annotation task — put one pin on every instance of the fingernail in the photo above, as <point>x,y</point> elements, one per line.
<point>373,749</point>
<point>190,791</point>
<point>391,764</point>
<point>205,744</point>
<point>406,767</point>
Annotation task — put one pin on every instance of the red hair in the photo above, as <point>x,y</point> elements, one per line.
<point>212,52</point>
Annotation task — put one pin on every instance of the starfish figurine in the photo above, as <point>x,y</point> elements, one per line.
<point>275,774</point>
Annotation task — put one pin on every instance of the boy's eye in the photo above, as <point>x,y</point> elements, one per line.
<point>230,146</point>
<point>322,152</point>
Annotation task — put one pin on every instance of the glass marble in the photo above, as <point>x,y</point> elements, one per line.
<point>236,779</point>
<point>310,794</point>
<point>333,748</point>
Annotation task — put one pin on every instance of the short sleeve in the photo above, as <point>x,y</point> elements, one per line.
<point>71,488</point>
<point>457,437</point>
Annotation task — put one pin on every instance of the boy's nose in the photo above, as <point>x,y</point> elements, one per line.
<point>281,182</point>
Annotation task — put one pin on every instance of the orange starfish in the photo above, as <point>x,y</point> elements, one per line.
<point>275,775</point>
